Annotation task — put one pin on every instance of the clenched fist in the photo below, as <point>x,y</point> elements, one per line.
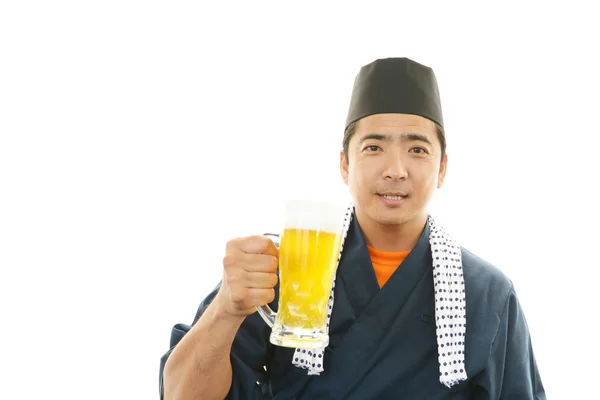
<point>249,275</point>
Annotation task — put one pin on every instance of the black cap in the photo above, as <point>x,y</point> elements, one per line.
<point>395,85</point>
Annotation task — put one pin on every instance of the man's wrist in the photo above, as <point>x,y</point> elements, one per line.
<point>222,315</point>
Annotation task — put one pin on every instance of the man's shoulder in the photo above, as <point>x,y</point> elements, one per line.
<point>482,276</point>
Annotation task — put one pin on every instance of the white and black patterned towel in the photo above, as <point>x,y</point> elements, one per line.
<point>450,307</point>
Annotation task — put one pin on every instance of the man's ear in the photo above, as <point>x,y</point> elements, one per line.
<point>442,171</point>
<point>344,166</point>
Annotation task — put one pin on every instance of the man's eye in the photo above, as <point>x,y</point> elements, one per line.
<point>372,148</point>
<point>419,150</point>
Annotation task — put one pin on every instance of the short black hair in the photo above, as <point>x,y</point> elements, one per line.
<point>351,129</point>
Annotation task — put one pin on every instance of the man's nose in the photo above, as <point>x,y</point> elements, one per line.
<point>394,168</point>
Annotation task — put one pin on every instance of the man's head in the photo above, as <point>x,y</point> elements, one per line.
<point>394,147</point>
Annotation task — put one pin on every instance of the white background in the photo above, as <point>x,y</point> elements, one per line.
<point>137,137</point>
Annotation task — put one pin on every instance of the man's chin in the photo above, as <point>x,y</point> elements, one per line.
<point>389,217</point>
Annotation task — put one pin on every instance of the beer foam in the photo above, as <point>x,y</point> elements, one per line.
<point>314,215</point>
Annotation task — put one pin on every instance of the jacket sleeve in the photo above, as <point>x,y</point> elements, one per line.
<point>511,371</point>
<point>249,353</point>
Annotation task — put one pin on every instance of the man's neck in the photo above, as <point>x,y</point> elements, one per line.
<point>392,238</point>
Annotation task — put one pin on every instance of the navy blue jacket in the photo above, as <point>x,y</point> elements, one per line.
<point>383,341</point>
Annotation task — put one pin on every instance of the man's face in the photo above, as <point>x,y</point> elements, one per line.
<point>394,167</point>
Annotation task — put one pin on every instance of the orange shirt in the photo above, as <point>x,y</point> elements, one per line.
<point>385,263</point>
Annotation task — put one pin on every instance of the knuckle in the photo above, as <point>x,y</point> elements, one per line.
<point>236,244</point>
<point>259,243</point>
<point>238,297</point>
<point>231,279</point>
<point>259,238</point>
<point>232,243</point>
<point>230,260</point>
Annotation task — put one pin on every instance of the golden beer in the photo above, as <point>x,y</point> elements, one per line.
<point>309,247</point>
<point>307,262</point>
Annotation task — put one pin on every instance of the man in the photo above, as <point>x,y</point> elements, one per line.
<point>415,316</point>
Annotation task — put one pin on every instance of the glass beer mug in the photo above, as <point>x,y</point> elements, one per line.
<point>309,247</point>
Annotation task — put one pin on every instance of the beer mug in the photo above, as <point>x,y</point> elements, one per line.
<point>309,248</point>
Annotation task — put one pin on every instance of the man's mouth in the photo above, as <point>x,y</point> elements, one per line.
<point>393,196</point>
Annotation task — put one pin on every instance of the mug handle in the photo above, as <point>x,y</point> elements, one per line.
<point>265,311</point>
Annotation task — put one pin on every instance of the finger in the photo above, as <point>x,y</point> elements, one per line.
<point>261,297</point>
<point>260,280</point>
<point>253,245</point>
<point>251,262</point>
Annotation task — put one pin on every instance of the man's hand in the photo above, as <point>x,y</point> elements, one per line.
<point>249,276</point>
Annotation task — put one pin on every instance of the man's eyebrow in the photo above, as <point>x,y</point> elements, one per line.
<point>405,137</point>
<point>375,136</point>
<point>415,137</point>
